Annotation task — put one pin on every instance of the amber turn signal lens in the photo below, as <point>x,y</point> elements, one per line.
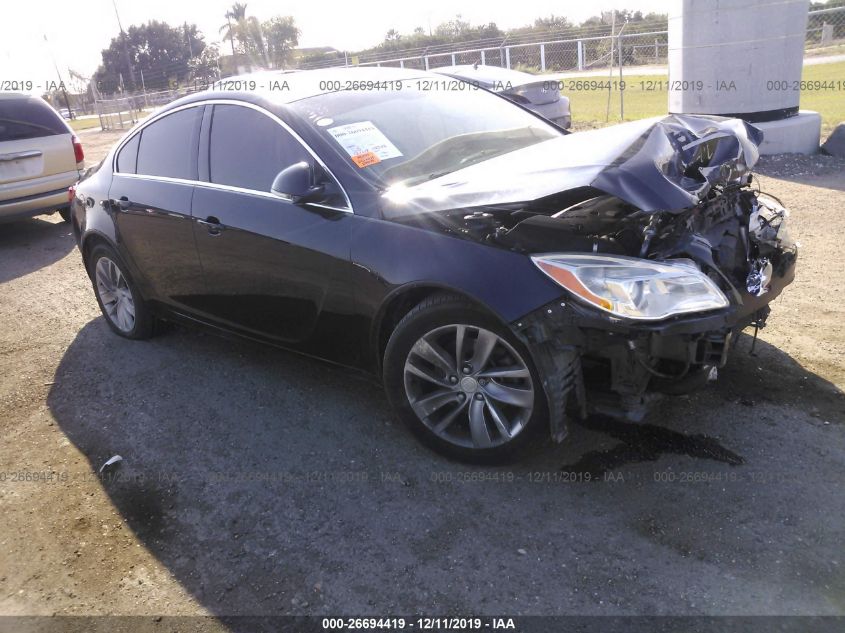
<point>569,281</point>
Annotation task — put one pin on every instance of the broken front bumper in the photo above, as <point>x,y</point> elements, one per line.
<point>590,361</point>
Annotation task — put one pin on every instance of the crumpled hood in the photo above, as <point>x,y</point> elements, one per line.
<point>664,163</point>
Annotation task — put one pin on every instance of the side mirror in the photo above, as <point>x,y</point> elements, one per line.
<point>297,184</point>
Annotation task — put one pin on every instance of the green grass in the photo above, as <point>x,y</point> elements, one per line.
<point>589,107</point>
<point>87,124</point>
<point>84,124</point>
<point>829,103</point>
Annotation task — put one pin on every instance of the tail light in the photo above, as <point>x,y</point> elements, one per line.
<point>77,150</point>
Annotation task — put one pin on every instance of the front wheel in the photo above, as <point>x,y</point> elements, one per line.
<point>463,382</point>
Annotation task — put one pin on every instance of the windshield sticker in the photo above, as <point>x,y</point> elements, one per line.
<point>365,159</point>
<point>364,142</point>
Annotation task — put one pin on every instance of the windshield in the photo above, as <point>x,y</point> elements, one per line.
<point>424,130</point>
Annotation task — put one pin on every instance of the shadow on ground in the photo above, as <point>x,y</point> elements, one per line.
<point>33,244</point>
<point>268,483</point>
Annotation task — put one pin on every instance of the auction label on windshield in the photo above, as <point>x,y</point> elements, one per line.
<point>364,142</point>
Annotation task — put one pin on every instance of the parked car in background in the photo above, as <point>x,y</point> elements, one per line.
<point>498,274</point>
<point>531,91</point>
<point>67,114</point>
<point>40,158</point>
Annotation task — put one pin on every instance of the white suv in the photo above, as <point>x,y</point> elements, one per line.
<point>40,158</point>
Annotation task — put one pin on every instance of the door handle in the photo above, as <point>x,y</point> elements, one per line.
<point>213,225</point>
<point>33,153</point>
<point>123,203</point>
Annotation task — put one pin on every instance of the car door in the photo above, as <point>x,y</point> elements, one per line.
<point>272,268</point>
<point>150,195</point>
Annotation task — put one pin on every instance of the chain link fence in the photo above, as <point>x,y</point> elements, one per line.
<point>122,112</point>
<point>826,28</point>
<point>639,48</point>
<point>540,52</point>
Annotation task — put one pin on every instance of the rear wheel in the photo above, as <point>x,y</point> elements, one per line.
<point>463,382</point>
<point>120,302</point>
<point>64,212</point>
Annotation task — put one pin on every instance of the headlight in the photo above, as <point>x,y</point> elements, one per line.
<point>633,288</point>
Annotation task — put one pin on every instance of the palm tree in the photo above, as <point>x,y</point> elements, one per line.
<point>254,39</point>
<point>231,31</point>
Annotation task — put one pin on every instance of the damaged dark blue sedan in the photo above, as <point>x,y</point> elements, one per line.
<point>497,274</point>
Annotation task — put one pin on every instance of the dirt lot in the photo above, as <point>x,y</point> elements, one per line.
<point>258,482</point>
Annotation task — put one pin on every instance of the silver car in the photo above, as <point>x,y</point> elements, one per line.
<point>40,158</point>
<point>538,94</point>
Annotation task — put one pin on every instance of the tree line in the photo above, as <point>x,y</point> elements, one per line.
<point>157,56</point>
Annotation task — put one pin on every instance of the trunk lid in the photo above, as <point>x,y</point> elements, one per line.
<point>34,140</point>
<point>34,158</point>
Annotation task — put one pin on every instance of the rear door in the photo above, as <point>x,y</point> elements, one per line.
<point>36,148</point>
<point>150,194</point>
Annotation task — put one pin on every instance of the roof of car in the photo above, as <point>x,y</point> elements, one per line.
<point>486,74</point>
<point>17,95</point>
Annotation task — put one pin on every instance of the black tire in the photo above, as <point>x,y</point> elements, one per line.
<point>436,316</point>
<point>142,324</point>
<point>64,212</point>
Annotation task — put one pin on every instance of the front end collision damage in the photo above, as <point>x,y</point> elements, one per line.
<point>627,365</point>
<point>676,190</point>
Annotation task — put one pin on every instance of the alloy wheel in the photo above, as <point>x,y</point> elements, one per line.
<point>469,386</point>
<point>115,295</point>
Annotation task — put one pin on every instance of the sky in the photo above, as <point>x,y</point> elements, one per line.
<point>77,31</point>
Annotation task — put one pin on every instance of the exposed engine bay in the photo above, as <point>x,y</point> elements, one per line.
<point>728,230</point>
<point>737,236</point>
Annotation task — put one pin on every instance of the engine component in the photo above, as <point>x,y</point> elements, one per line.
<point>759,277</point>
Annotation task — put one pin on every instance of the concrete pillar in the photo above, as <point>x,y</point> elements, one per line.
<point>733,57</point>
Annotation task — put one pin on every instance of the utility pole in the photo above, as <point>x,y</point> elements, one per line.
<point>188,38</point>
<point>125,48</point>
<point>621,80</point>
<point>59,75</point>
<point>232,42</point>
<point>144,88</point>
<point>610,79</point>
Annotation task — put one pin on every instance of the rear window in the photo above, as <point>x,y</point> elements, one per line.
<point>169,146</point>
<point>127,159</point>
<point>28,117</point>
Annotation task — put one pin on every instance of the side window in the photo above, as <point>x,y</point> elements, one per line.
<point>168,147</point>
<point>248,149</point>
<point>127,159</point>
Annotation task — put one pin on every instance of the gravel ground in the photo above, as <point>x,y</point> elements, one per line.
<point>258,482</point>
